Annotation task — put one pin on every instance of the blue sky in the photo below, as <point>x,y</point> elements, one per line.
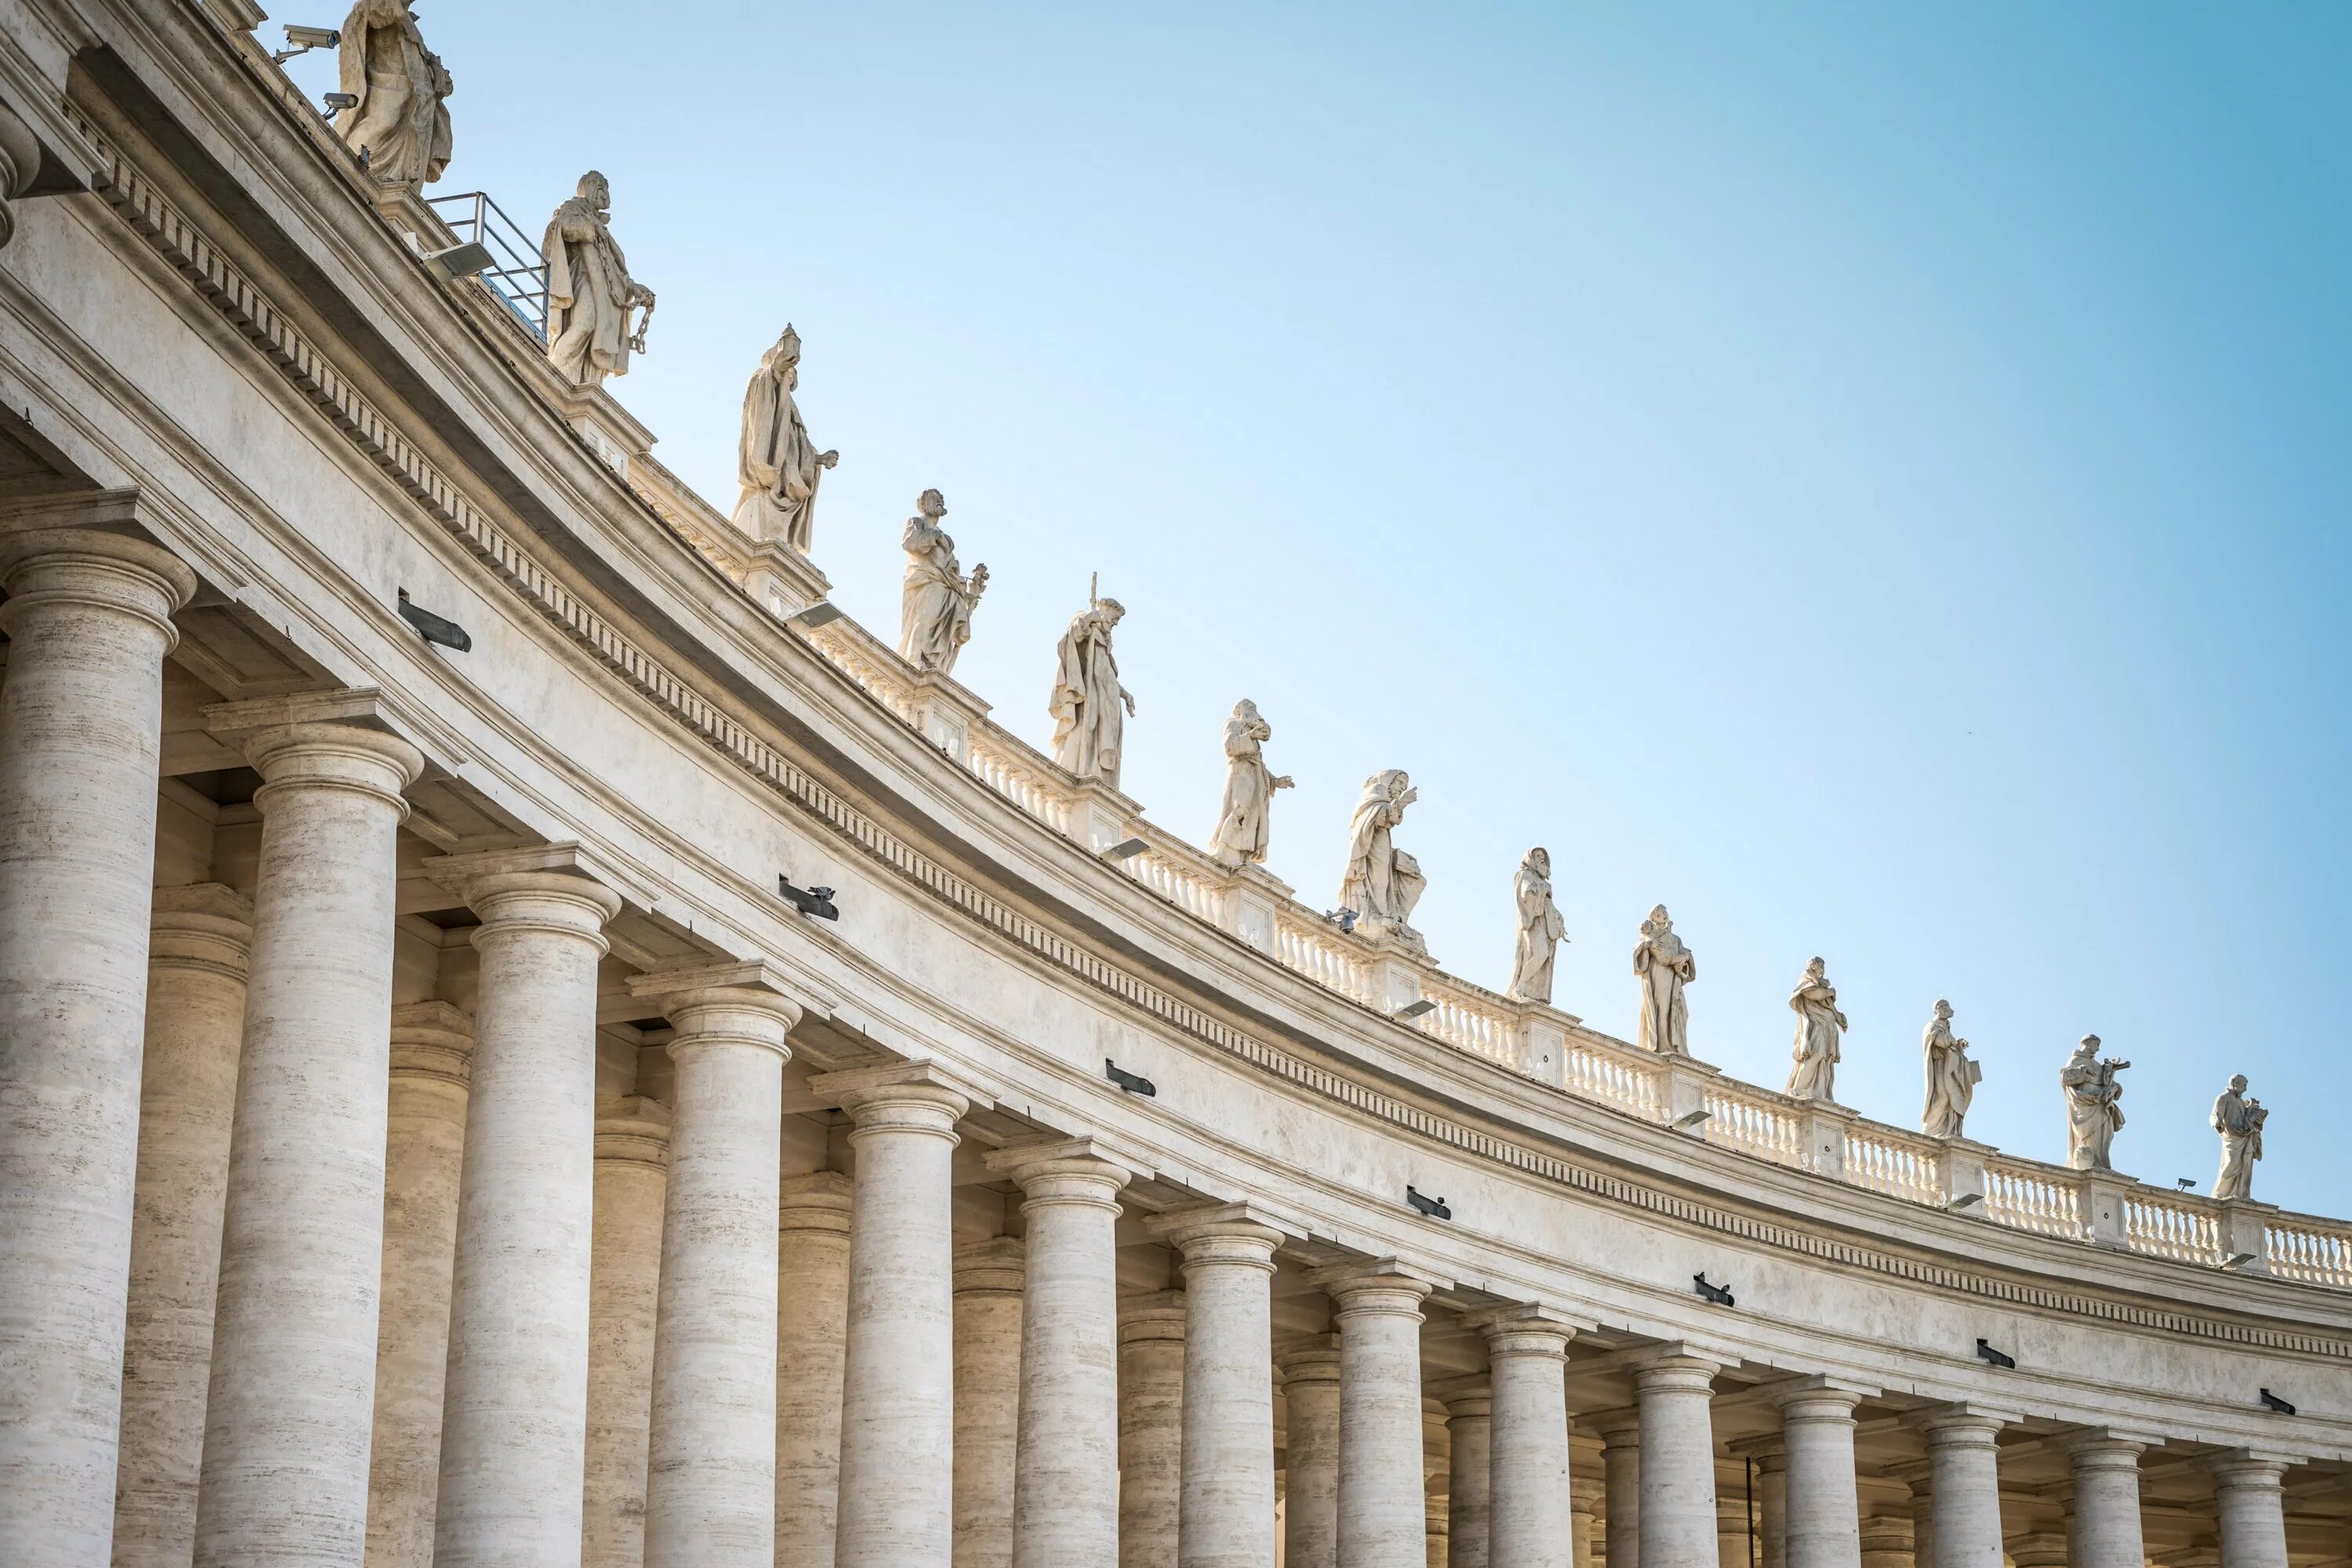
<point>1870,476</point>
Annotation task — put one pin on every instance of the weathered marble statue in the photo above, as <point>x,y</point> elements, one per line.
<point>1088,700</point>
<point>1540,930</point>
<point>1952,1075</point>
<point>1665,967</point>
<point>2093,1112</point>
<point>935,604</point>
<point>1245,815</point>
<point>1382,883</point>
<point>589,295</point>
<point>402,119</point>
<point>1814,1055</point>
<point>775,462</point>
<point>2238,1117</point>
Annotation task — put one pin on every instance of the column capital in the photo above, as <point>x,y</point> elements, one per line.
<point>1517,1329</point>
<point>997,1266</point>
<point>633,1130</point>
<point>204,925</point>
<point>2108,1448</point>
<point>1619,1428</point>
<point>549,886</point>
<point>2250,1467</point>
<point>373,763</point>
<point>1375,1286</point>
<point>1308,1358</point>
<point>1818,1398</point>
<point>918,1097</point>
<point>1768,1449</point>
<point>433,1040</point>
<point>2037,1549</point>
<point>1060,1171</point>
<point>1156,1315</point>
<point>1962,1424</point>
<point>819,1201</point>
<point>708,1004</point>
<point>1679,1366</point>
<point>1471,1395</point>
<point>1221,1233</point>
<point>87,565</point>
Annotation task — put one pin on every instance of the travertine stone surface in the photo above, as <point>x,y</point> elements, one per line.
<point>1150,1427</point>
<point>515,1424</point>
<point>812,1319</point>
<point>1310,1397</point>
<point>1823,1520</point>
<point>1584,1502</point>
<point>1227,1510</point>
<point>624,1287</point>
<point>1675,1395</point>
<point>1923,1521</point>
<point>1887,1541</point>
<point>2105,1466</point>
<point>898,1397</point>
<point>2248,1501</point>
<point>201,942</point>
<point>88,622</point>
<point>988,1283</point>
<point>711,1482</point>
<point>425,1146</point>
<point>1964,1475</point>
<point>1469,1472</point>
<point>291,1408</point>
<point>1064,1499</point>
<point>1621,1479</point>
<point>1735,1534</point>
<point>1528,1492</point>
<point>1383,1521</point>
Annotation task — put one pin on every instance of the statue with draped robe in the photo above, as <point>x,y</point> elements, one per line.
<point>1814,1056</point>
<point>589,295</point>
<point>1952,1075</point>
<point>2094,1114</point>
<point>1088,704</point>
<point>1665,966</point>
<point>1540,930</point>
<point>935,604</point>
<point>776,464</point>
<point>2238,1117</point>
<point>401,122</point>
<point>1245,815</point>
<point>1382,883</point>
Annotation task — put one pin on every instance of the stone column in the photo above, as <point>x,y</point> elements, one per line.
<point>1469,1500</point>
<point>1064,1498</point>
<point>2249,1500</point>
<point>1436,1539</point>
<point>1964,1473</point>
<point>1887,1541</point>
<point>1383,1520</point>
<point>1621,1473</point>
<point>2107,1499</point>
<point>1735,1534</point>
<point>424,1149</point>
<point>88,619</point>
<point>1150,1427</point>
<point>291,1408</point>
<point>1227,1510</point>
<point>201,941</point>
<point>514,1435</point>
<point>623,1287</point>
<point>1527,1353</point>
<point>1923,1522</point>
<point>1823,1522</point>
<point>811,1325</point>
<point>1310,1397</point>
<point>1768,1457</point>
<point>1677,1440</point>
<point>1584,1499</point>
<point>710,1479</point>
<point>988,1279</point>
<point>898,1402</point>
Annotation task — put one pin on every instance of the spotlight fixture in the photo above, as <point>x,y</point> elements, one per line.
<point>1126,849</point>
<point>1690,1119</point>
<point>1413,1009</point>
<point>2236,1261</point>
<point>1342,917</point>
<point>434,628</point>
<point>823,613</point>
<point>1964,1201</point>
<point>1423,1203</point>
<point>459,260</point>
<point>1718,1294</point>
<point>813,901</point>
<point>2273,1401</point>
<point>1986,1353</point>
<point>302,40</point>
<point>1134,1083</point>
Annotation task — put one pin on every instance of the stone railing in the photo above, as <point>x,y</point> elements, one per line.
<point>1178,872</point>
<point>1021,775</point>
<point>2177,1225</point>
<point>2304,1247</point>
<point>1754,1122</point>
<point>1305,941</point>
<point>1607,1070</point>
<point>2026,1195</point>
<point>1901,1164</point>
<point>1473,1019</point>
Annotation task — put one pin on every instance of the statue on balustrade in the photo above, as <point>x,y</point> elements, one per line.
<point>1665,966</point>
<point>2238,1117</point>
<point>1245,815</point>
<point>775,462</point>
<point>935,607</point>
<point>1952,1075</point>
<point>1540,930</point>
<point>1382,883</point>
<point>1813,1075</point>
<point>591,298</point>
<point>1090,708</point>
<point>401,124</point>
<point>2094,1112</point>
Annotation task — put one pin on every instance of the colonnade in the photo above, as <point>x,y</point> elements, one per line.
<point>289,1275</point>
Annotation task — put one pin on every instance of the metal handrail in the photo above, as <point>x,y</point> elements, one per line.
<point>519,272</point>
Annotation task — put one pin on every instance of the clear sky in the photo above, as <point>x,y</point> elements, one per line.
<point>1870,476</point>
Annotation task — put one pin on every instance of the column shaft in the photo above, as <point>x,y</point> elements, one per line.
<point>1150,1428</point>
<point>2250,1505</point>
<point>811,1319</point>
<point>1384,1514</point>
<point>1310,1397</point>
<point>1772,1508</point>
<point>1529,1526</point>
<point>1621,1482</point>
<point>1584,1496</point>
<point>2107,1502</point>
<point>1469,1472</point>
<point>1227,1510</point>
<point>1677,1466</point>
<point>988,1280</point>
<point>1964,1472</point>
<point>1923,1523</point>
<point>1824,1524</point>
<point>624,1287</point>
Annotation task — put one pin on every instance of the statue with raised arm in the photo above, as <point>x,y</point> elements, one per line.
<point>775,462</point>
<point>591,298</point>
<point>935,604</point>
<point>1952,1075</point>
<point>1245,815</point>
<point>2094,1114</point>
<point>1090,706</point>
<point>1814,1056</point>
<point>1540,930</point>
<point>401,124</point>
<point>2238,1117</point>
<point>1665,966</point>
<point>1382,883</point>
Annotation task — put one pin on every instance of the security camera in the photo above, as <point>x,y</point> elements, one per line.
<point>312,37</point>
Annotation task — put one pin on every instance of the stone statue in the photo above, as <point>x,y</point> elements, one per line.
<point>2238,1118</point>
<point>1384,883</point>
<point>1540,930</point>
<point>1243,816</point>
<point>1952,1075</point>
<point>775,462</point>
<point>590,294</point>
<point>936,606</point>
<point>2093,1112</point>
<point>1087,698</point>
<point>1813,1075</point>
<point>401,124</point>
<point>1665,967</point>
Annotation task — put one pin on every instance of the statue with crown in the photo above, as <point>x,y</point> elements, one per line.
<point>777,464</point>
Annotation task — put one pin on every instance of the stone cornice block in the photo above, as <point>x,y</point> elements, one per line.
<point>859,1084</point>
<point>1389,1273</point>
<point>634,1130</point>
<point>1177,1226</point>
<point>1962,1411</point>
<point>460,873</point>
<point>998,1266</point>
<point>1528,1315</point>
<point>753,981</point>
<point>1047,1159</point>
